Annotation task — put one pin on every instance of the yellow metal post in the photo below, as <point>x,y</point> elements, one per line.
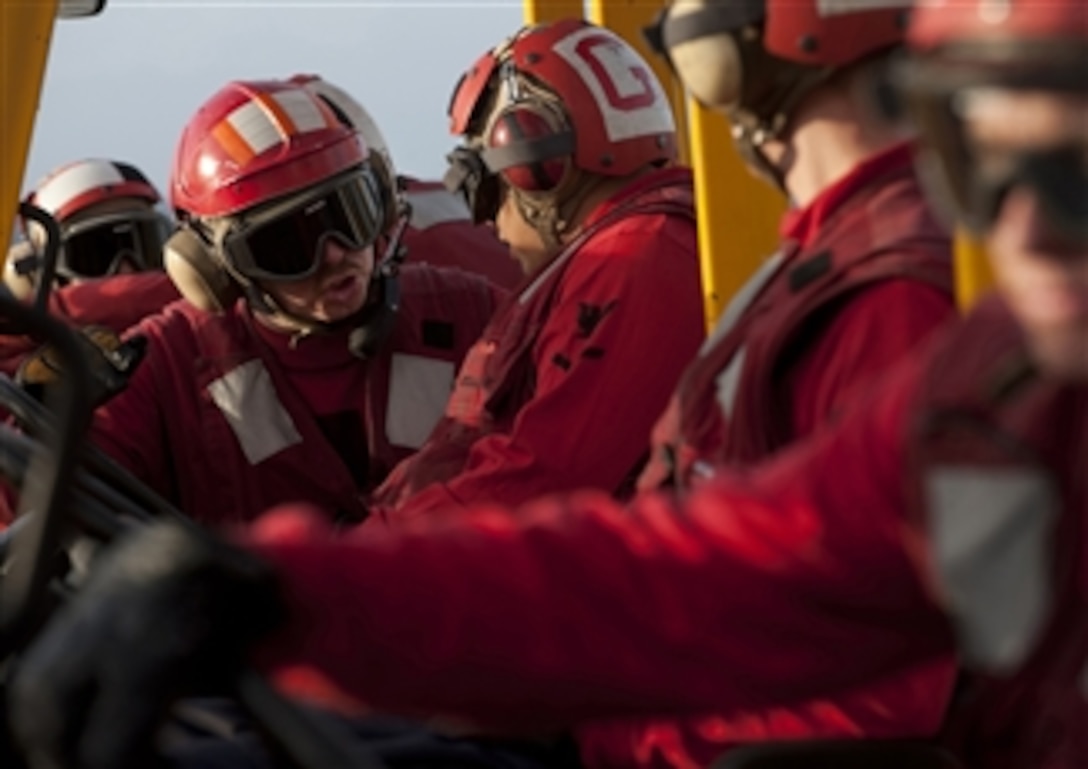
<point>972,270</point>
<point>627,18</point>
<point>550,10</point>
<point>25,31</point>
<point>738,214</point>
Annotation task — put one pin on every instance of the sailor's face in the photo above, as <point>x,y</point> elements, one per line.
<point>1040,257</point>
<point>336,291</point>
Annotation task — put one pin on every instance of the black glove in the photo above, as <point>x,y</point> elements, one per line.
<point>166,612</point>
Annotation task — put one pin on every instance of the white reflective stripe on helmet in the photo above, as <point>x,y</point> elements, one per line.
<point>355,113</point>
<point>418,390</point>
<point>248,400</point>
<point>269,119</point>
<point>992,531</point>
<point>431,207</point>
<point>69,183</point>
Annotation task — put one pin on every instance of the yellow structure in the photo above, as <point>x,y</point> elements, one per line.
<point>974,277</point>
<point>738,213</point>
<point>549,10</point>
<point>25,32</point>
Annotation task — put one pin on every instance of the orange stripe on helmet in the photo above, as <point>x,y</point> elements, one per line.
<point>233,143</point>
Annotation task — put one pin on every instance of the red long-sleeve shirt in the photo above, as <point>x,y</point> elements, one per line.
<point>580,385</point>
<point>747,594</point>
<point>808,576</point>
<point>868,332</point>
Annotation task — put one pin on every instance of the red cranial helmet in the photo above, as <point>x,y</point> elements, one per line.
<point>964,54</point>
<point>551,105</point>
<point>711,43</point>
<point>264,173</point>
<point>757,59</point>
<point>255,142</point>
<point>992,24</point>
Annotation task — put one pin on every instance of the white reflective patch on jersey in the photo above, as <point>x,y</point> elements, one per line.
<point>248,400</point>
<point>418,390</point>
<point>993,532</point>
<point>69,183</point>
<point>431,207</point>
<point>624,87</point>
<point>826,8</point>
<point>728,382</point>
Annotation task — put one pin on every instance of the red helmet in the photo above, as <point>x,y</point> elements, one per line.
<point>940,23</point>
<point>832,33</point>
<point>555,97</point>
<point>254,142</point>
<point>74,187</point>
<point>965,54</point>
<point>710,43</point>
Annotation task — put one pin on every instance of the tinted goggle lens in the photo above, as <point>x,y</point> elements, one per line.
<point>99,250</point>
<point>978,179</point>
<point>1057,177</point>
<point>289,245</point>
<point>972,163</point>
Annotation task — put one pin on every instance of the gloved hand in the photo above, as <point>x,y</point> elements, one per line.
<point>166,612</point>
<point>111,360</point>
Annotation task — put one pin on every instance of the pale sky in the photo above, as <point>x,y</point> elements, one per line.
<point>121,85</point>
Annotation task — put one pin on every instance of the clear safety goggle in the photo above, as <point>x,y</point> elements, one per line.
<point>286,241</point>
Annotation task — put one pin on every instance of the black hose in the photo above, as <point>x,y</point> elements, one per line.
<point>48,479</point>
<point>304,741</point>
<point>33,418</point>
<point>48,267</point>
